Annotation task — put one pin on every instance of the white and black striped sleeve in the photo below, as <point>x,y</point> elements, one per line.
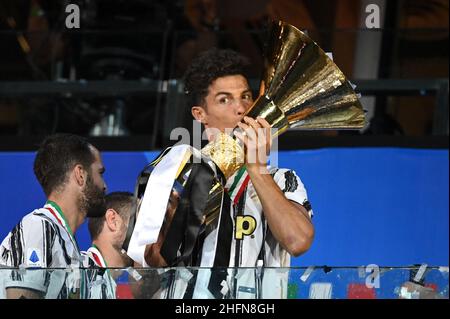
<point>29,245</point>
<point>293,188</point>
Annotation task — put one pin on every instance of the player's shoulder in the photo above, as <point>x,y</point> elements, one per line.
<point>279,171</point>
<point>87,259</point>
<point>37,217</point>
<point>91,258</point>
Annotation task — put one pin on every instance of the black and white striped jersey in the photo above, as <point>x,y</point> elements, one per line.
<point>253,244</point>
<point>251,228</point>
<point>42,240</point>
<point>101,285</point>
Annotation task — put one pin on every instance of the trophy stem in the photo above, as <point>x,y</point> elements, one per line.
<point>268,110</point>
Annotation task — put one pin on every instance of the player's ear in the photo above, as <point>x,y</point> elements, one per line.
<point>199,113</point>
<point>79,174</point>
<point>111,218</point>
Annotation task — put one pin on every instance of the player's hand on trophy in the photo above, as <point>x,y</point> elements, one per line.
<point>257,139</point>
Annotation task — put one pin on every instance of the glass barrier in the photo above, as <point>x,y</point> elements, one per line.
<point>370,282</point>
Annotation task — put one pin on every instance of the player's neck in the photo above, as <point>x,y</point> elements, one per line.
<point>212,133</point>
<point>110,254</point>
<point>69,209</point>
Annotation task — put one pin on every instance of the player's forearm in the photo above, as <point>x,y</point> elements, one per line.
<point>20,293</point>
<point>288,222</point>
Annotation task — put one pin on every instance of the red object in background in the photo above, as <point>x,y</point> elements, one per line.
<point>360,291</point>
<point>432,286</point>
<point>123,291</point>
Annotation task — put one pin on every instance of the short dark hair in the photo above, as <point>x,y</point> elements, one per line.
<point>122,202</point>
<point>209,66</point>
<point>57,155</point>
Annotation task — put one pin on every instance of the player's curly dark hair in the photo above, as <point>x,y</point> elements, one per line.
<point>209,66</point>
